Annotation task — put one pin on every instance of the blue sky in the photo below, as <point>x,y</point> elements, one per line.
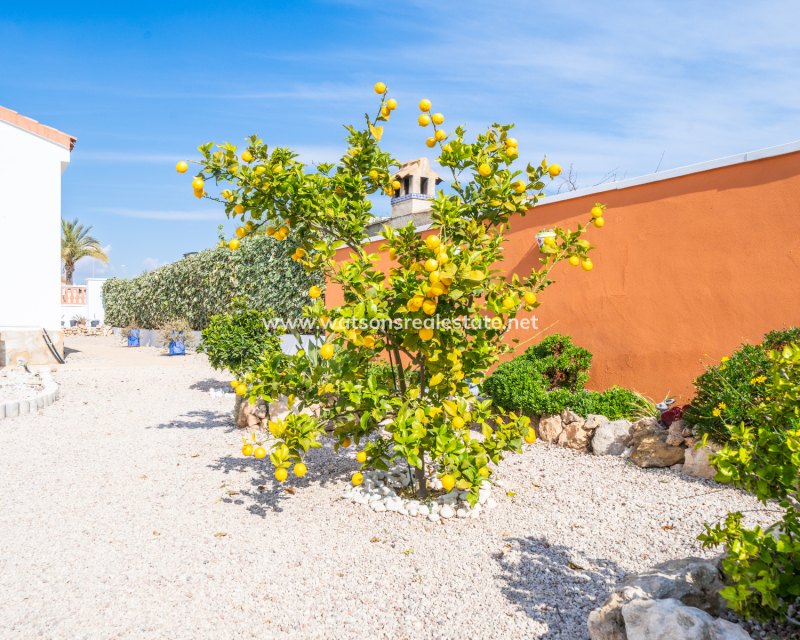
<point>604,86</point>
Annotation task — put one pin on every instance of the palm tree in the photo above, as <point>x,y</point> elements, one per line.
<point>76,243</point>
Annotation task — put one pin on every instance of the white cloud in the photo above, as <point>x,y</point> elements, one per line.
<point>151,214</point>
<point>153,263</point>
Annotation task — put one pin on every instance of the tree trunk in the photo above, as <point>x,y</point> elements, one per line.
<point>419,476</point>
<point>68,271</point>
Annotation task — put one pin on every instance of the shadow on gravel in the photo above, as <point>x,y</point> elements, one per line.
<point>266,494</point>
<point>200,420</point>
<point>548,589</point>
<point>210,383</point>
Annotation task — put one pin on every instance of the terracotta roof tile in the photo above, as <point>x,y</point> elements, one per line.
<point>29,124</point>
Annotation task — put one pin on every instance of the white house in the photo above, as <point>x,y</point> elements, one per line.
<point>32,158</point>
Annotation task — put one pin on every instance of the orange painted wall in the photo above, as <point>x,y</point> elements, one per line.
<point>684,267</point>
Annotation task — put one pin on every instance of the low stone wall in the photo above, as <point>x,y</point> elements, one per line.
<point>28,344</point>
<point>87,330</point>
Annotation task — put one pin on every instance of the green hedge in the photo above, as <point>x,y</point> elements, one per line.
<point>549,377</point>
<point>202,285</point>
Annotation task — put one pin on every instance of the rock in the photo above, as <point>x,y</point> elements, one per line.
<point>568,416</point>
<point>645,423</point>
<point>593,421</point>
<point>671,620</point>
<point>253,420</point>
<point>696,582</point>
<point>378,506</point>
<point>447,511</point>
<point>697,464</point>
<point>691,441</point>
<point>612,438</point>
<point>423,510</point>
<point>677,467</point>
<point>650,449</point>
<point>491,503</point>
<point>678,426</point>
<point>674,439</point>
<point>462,513</point>
<point>433,517</point>
<point>550,427</point>
<point>688,432</point>
<point>574,436</point>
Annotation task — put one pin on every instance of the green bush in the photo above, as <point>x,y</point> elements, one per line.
<point>203,285</point>
<point>726,393</point>
<point>549,377</point>
<point>763,457</point>
<point>239,340</point>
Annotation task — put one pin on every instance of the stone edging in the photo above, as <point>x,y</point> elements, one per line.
<point>49,394</point>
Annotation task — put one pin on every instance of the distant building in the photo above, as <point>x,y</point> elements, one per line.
<point>33,159</point>
<point>411,203</point>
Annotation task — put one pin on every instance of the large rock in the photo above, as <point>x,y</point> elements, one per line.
<point>593,421</point>
<point>568,416</point>
<point>671,620</point>
<point>696,582</point>
<point>646,424</point>
<point>676,429</point>
<point>612,438</point>
<point>550,427</point>
<point>574,436</point>
<point>697,464</point>
<point>650,449</point>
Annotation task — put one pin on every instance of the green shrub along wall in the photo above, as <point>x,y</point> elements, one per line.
<point>261,272</point>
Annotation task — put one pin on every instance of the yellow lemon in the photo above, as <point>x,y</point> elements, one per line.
<point>432,242</point>
<point>277,168</point>
<point>199,193</point>
<point>424,105</point>
<point>326,351</point>
<point>241,389</point>
<point>391,103</point>
<point>429,306</point>
<point>424,120</point>
<point>234,244</point>
<point>238,208</point>
<point>484,471</point>
<point>369,342</point>
<point>346,443</point>
<point>300,252</point>
<point>247,157</point>
<point>443,259</point>
<point>434,277</point>
<point>508,303</point>
<point>431,142</point>
<point>284,230</point>
<point>323,321</point>
<point>241,232</point>
<point>361,456</point>
<point>300,469</point>
<point>261,170</point>
<point>549,241</point>
<point>357,479</point>
<point>529,297</point>
<point>574,261</point>
<point>440,135</point>
<point>386,112</point>
<point>247,450</point>
<point>458,422</point>
<point>597,212</point>
<point>511,151</point>
<point>447,148</point>
<point>315,292</point>
<point>448,482</point>
<point>484,169</point>
<point>392,253</point>
<point>373,174</point>
<point>554,170</point>
<point>431,264</point>
<point>281,474</point>
<point>587,265</point>
<point>260,452</point>
<point>249,226</point>
<point>181,167</point>
<point>197,183</point>
<point>518,186</point>
<point>380,88</point>
<point>437,289</point>
<point>426,334</point>
<point>511,142</point>
<point>396,185</point>
<point>598,222</point>
<point>437,118</point>
<point>446,280</point>
<point>270,231</point>
<point>234,383</point>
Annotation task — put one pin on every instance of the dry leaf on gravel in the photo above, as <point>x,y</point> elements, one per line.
<point>375,539</point>
<point>574,566</point>
<point>220,535</point>
<point>232,493</point>
<point>668,527</point>
<point>156,533</point>
<point>196,455</point>
<point>291,490</point>
<point>142,477</point>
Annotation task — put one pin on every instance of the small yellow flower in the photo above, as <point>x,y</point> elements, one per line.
<point>722,405</point>
<point>725,358</point>
<point>716,412</point>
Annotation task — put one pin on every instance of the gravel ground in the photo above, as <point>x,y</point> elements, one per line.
<point>19,385</point>
<point>115,498</point>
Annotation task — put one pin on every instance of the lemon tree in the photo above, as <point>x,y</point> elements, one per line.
<point>440,314</point>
